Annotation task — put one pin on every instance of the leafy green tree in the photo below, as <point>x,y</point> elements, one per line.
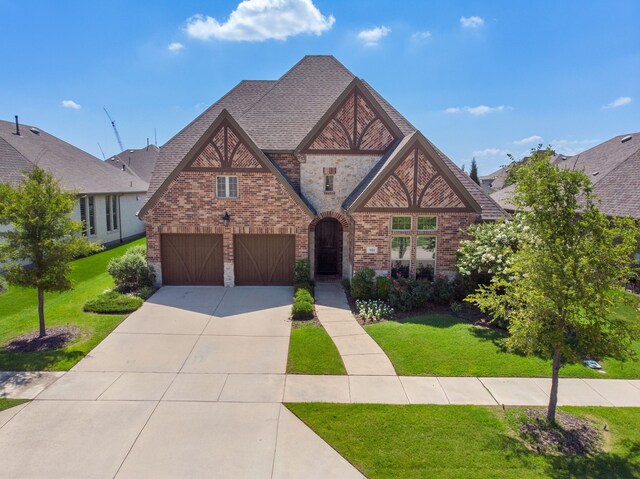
<point>563,281</point>
<point>473,172</point>
<point>42,235</point>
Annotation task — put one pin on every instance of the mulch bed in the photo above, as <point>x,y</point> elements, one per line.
<point>570,435</point>
<point>56,338</point>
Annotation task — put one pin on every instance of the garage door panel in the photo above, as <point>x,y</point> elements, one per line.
<point>264,259</point>
<point>192,259</point>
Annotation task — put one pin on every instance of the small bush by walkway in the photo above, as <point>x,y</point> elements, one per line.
<point>113,302</point>
<point>311,350</point>
<point>466,442</point>
<point>20,315</point>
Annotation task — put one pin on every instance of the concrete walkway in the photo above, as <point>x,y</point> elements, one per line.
<point>191,385</point>
<point>360,353</point>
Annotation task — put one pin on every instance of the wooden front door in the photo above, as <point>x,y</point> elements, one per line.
<point>328,240</point>
<point>264,260</point>
<point>191,259</point>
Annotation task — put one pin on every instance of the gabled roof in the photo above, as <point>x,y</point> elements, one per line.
<point>614,170</point>
<point>473,193</point>
<point>76,170</point>
<point>196,149</point>
<point>141,161</point>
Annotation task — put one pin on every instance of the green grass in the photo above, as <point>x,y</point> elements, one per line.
<point>9,403</point>
<point>442,345</point>
<point>311,351</point>
<point>446,442</point>
<point>113,302</point>
<point>20,315</point>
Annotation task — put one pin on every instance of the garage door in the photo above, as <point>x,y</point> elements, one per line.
<point>192,259</point>
<point>264,259</point>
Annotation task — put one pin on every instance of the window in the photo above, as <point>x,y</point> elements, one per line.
<point>401,223</point>
<point>111,203</point>
<point>427,223</point>
<point>88,215</point>
<point>328,184</point>
<point>227,186</point>
<point>400,256</point>
<point>425,257</point>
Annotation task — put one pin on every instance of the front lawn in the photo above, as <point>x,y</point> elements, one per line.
<point>443,345</point>
<point>20,315</point>
<point>311,351</point>
<point>446,442</point>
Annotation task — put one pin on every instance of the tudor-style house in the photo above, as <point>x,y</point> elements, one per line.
<point>313,165</point>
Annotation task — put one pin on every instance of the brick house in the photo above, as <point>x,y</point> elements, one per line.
<point>313,165</point>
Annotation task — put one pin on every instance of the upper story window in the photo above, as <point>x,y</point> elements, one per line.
<point>427,223</point>
<point>88,215</point>
<point>111,210</point>
<point>328,183</point>
<point>401,223</point>
<point>227,187</point>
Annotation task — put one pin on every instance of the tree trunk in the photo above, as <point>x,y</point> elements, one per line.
<point>553,396</point>
<point>43,331</point>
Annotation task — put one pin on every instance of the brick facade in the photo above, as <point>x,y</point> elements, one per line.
<point>290,166</point>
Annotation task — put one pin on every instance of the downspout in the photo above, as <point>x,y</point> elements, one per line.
<point>120,218</point>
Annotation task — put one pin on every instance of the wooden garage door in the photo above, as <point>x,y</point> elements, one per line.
<point>192,259</point>
<point>264,259</point>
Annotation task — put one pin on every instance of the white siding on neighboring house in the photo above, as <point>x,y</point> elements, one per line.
<point>128,224</point>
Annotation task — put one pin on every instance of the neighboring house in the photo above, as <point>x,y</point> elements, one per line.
<point>108,199</point>
<point>313,165</point>
<point>141,162</point>
<point>497,180</point>
<point>614,169</point>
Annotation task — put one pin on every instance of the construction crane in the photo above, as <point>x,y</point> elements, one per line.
<point>115,130</point>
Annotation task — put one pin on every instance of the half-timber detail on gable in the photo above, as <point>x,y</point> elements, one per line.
<point>355,124</point>
<point>416,182</point>
<point>225,151</point>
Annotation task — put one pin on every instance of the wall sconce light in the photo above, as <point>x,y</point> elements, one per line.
<point>226,217</point>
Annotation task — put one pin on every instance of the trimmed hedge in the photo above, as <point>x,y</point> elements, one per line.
<point>362,284</point>
<point>131,271</point>
<point>302,305</point>
<point>113,302</point>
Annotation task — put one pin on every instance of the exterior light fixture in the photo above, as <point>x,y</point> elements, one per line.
<point>226,217</point>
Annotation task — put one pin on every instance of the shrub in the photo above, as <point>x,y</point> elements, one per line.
<point>3,285</point>
<point>424,272</point>
<point>442,290</point>
<point>362,286</point>
<point>346,284</point>
<point>309,286</point>
<point>399,270</point>
<point>464,285</point>
<point>382,287</point>
<point>302,272</point>
<point>131,271</point>
<point>145,292</point>
<point>373,309</point>
<point>302,310</point>
<point>303,295</point>
<point>407,294</point>
<point>113,302</point>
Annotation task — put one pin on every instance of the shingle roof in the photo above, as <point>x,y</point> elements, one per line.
<point>617,181</point>
<point>141,162</point>
<point>75,169</point>
<point>12,164</point>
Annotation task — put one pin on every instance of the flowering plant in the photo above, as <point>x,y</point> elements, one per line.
<point>373,309</point>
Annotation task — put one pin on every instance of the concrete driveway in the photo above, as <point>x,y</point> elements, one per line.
<point>190,385</point>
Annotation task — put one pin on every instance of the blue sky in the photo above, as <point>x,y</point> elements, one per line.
<point>477,78</point>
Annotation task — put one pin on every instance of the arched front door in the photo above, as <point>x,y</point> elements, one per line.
<point>328,246</point>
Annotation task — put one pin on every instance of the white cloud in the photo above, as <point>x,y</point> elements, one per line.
<point>70,104</point>
<point>471,22</point>
<point>490,153</point>
<point>528,140</point>
<point>421,36</point>
<point>573,147</point>
<point>372,37</point>
<point>259,20</point>
<point>175,47</point>
<point>623,100</point>
<point>477,110</point>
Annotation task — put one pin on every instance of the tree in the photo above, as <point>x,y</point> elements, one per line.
<point>43,236</point>
<point>473,172</point>
<point>564,279</point>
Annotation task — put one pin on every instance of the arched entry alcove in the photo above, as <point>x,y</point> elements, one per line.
<point>328,247</point>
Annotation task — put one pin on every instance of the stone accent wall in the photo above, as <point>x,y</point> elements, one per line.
<point>290,166</point>
<point>349,171</point>
<point>190,205</point>
<point>374,229</point>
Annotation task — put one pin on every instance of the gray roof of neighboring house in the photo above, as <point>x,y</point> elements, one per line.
<point>12,163</point>
<point>141,162</point>
<point>75,169</point>
<point>617,181</point>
